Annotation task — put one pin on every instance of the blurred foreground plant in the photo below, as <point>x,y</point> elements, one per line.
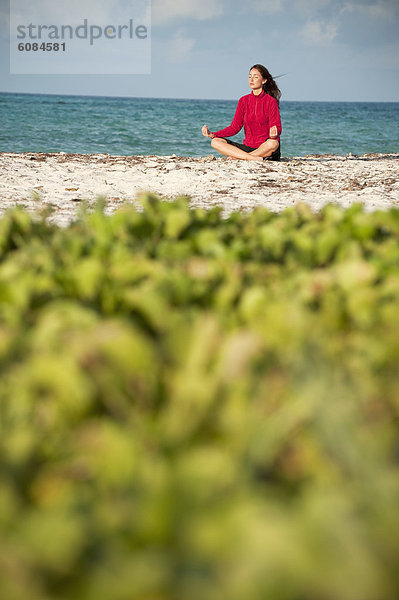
<point>200,408</point>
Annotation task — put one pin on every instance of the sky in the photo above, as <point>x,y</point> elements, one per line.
<point>325,50</point>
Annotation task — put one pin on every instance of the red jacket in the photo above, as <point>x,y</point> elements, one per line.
<point>258,114</point>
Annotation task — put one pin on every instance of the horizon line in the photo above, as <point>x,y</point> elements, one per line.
<point>174,98</point>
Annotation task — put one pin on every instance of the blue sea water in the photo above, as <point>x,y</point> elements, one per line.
<point>127,126</point>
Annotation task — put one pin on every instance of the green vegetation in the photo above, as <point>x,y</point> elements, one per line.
<point>198,408</point>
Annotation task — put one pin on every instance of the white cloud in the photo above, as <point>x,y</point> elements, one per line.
<point>318,33</point>
<point>382,9</point>
<point>75,11</point>
<point>167,11</point>
<point>180,47</point>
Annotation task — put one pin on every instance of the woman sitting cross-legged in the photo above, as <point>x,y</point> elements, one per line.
<point>259,113</point>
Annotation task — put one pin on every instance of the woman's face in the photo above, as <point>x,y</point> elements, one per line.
<point>255,79</point>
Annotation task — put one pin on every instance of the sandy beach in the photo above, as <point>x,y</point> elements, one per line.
<point>66,180</point>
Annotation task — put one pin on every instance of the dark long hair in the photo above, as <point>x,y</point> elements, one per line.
<point>270,87</point>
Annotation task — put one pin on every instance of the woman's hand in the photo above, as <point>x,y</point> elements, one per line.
<point>206,132</point>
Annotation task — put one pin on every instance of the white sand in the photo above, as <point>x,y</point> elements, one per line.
<point>65,180</point>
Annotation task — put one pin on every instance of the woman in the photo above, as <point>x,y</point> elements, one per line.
<point>259,113</point>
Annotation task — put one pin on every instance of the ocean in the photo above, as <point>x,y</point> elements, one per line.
<point>159,126</point>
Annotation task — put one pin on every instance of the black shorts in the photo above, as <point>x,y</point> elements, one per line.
<point>275,156</point>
